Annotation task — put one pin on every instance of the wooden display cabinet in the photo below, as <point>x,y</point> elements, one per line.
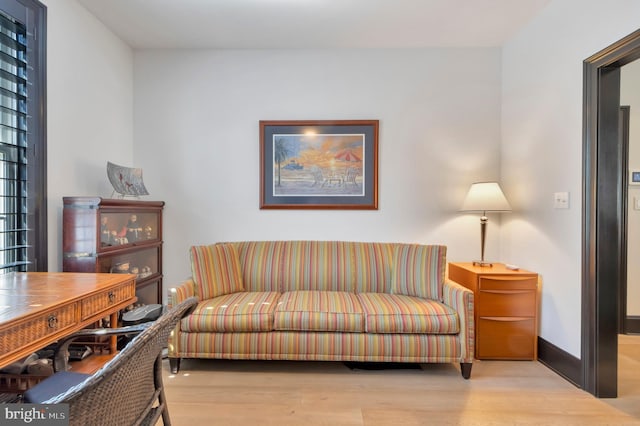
<point>506,309</point>
<point>116,236</point>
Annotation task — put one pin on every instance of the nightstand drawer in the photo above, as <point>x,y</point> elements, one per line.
<point>508,283</point>
<point>502,338</point>
<point>506,303</point>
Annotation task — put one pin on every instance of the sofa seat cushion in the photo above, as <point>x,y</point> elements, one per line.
<point>236,312</point>
<point>319,311</point>
<point>395,313</point>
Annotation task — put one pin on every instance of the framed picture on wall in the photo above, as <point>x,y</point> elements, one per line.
<point>319,164</point>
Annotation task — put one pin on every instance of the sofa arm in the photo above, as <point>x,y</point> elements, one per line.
<point>178,294</point>
<point>181,292</point>
<point>461,299</point>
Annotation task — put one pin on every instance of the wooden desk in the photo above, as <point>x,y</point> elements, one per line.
<point>38,308</point>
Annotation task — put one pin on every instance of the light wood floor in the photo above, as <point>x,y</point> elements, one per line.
<point>209,392</point>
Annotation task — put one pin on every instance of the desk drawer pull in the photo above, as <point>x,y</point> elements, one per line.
<point>112,297</point>
<point>52,321</point>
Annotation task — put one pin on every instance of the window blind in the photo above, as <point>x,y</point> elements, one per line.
<point>13,146</point>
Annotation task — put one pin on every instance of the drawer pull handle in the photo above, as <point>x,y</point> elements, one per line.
<point>507,319</point>
<point>112,297</point>
<point>52,321</point>
<point>506,291</point>
<point>511,279</point>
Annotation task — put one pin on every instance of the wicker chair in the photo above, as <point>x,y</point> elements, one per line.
<point>127,390</point>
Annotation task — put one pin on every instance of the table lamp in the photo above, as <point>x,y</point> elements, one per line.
<point>485,197</point>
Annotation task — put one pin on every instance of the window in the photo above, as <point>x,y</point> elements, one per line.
<point>23,215</point>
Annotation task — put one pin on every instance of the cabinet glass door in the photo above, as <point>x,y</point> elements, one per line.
<point>143,263</point>
<point>118,229</point>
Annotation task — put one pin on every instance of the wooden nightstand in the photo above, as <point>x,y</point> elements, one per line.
<point>506,309</point>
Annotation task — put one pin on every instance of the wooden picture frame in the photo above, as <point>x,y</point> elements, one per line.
<point>319,164</point>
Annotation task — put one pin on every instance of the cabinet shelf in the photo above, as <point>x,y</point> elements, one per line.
<point>115,236</point>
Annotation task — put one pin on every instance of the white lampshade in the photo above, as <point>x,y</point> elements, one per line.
<point>485,197</point>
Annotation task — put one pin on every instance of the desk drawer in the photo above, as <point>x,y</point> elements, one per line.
<point>106,299</point>
<point>29,331</point>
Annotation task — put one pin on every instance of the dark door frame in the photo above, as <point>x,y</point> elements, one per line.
<point>623,323</point>
<point>602,215</point>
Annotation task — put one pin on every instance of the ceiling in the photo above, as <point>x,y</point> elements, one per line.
<point>261,24</point>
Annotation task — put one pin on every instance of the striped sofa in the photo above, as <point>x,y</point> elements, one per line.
<point>323,300</point>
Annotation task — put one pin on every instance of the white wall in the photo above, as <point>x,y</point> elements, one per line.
<point>89,107</point>
<point>542,148</point>
<point>193,128</point>
<point>630,95</point>
<point>196,136</point>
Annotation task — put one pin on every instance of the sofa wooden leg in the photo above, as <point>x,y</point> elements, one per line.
<point>465,368</point>
<point>174,363</point>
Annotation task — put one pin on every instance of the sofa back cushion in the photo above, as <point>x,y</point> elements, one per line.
<point>318,265</point>
<point>216,270</point>
<point>261,264</point>
<point>360,267</point>
<point>372,266</point>
<point>315,265</point>
<point>418,270</point>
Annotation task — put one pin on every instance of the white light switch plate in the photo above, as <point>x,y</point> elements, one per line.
<point>561,200</point>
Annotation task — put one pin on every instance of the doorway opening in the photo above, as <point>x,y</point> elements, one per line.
<point>603,215</point>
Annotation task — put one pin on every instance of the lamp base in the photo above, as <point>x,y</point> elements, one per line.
<point>482,264</point>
